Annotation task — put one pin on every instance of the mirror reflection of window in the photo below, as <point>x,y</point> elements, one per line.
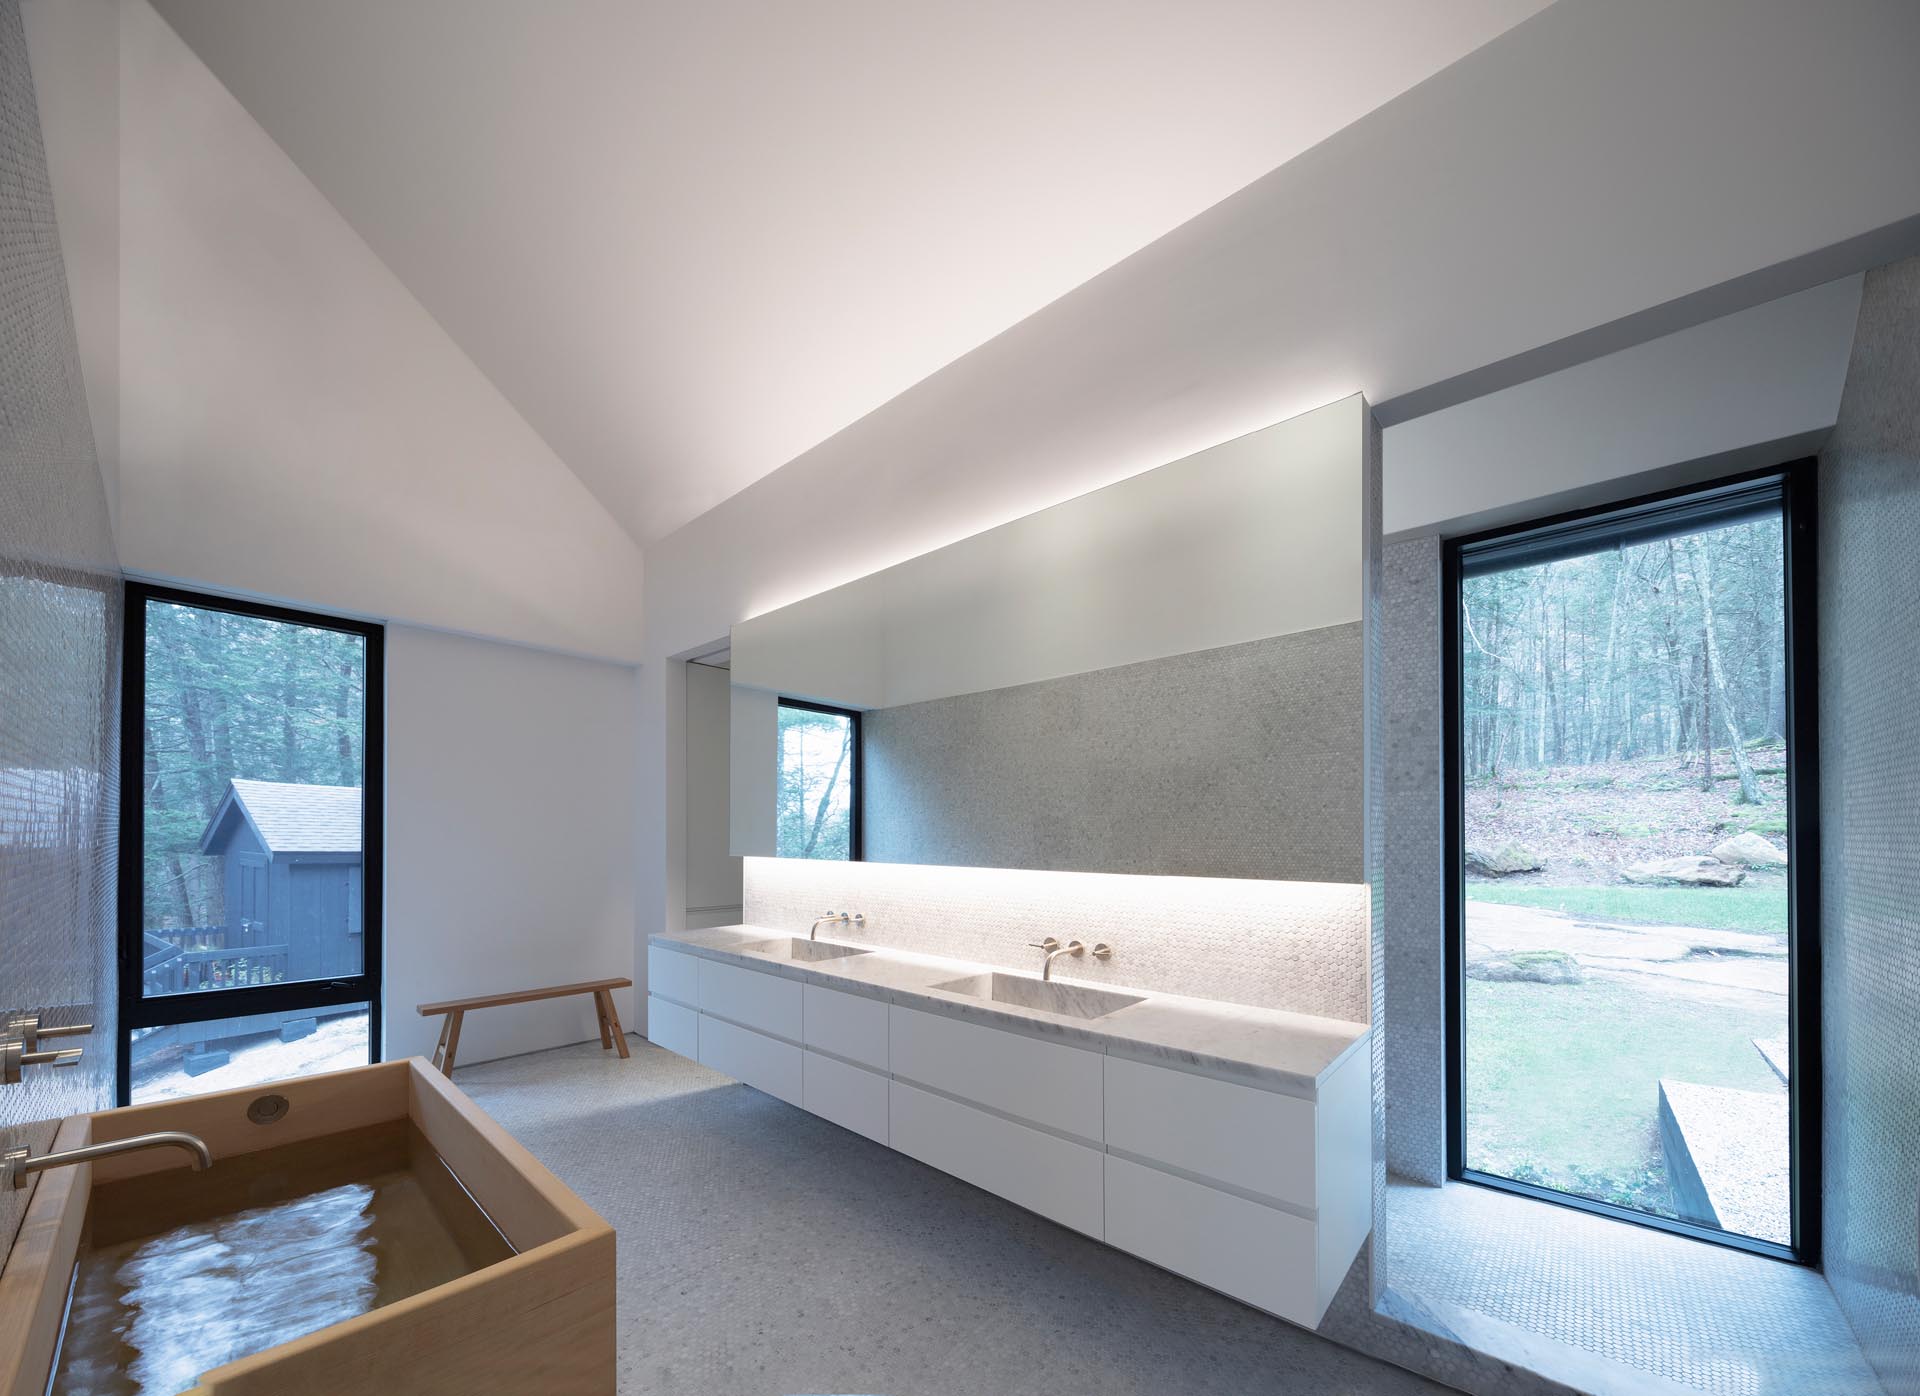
<point>818,782</point>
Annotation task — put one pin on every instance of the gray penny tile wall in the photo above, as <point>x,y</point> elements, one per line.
<point>59,645</point>
<point>1300,946</point>
<point>1870,829</point>
<point>1240,761</point>
<point>1416,1129</point>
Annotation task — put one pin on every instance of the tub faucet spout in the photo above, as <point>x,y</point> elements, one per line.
<point>16,1165</point>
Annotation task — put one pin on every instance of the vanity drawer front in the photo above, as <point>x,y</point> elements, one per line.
<point>1041,1172</point>
<point>1255,1253</point>
<point>765,1002</point>
<point>1249,1138</point>
<point>674,976</point>
<point>673,1026</point>
<point>1046,1082</point>
<point>846,1025</point>
<point>761,1062</point>
<point>850,1096</point>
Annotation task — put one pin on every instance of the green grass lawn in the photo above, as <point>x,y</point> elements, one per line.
<point>1562,1080</point>
<point>1761,909</point>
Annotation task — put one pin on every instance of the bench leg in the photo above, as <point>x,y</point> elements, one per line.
<point>453,1041</point>
<point>610,1021</point>
<point>600,1013</point>
<point>440,1047</point>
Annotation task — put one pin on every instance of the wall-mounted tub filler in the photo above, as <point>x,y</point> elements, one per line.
<point>16,1166</point>
<point>836,918</point>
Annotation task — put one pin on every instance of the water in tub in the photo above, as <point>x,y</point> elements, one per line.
<point>185,1271</point>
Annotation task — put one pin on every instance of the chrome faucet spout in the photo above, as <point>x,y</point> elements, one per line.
<point>1054,951</point>
<point>16,1165</point>
<point>836,918</point>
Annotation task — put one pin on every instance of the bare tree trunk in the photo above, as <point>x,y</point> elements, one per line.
<point>826,795</point>
<point>1703,579</point>
<point>1601,742</point>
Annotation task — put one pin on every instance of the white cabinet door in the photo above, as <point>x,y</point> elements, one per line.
<point>761,1062</point>
<point>1041,1172</point>
<point>1253,1252</point>
<point>1046,1082</point>
<point>846,1025</point>
<point>673,1026</point>
<point>1250,1138</point>
<point>765,1002</point>
<point>674,976</point>
<point>851,1096</point>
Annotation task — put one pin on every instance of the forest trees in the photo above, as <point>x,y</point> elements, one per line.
<point>814,814</point>
<point>233,695</point>
<point>1665,648</point>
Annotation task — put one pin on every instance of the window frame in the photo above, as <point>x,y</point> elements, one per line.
<point>1798,494</point>
<point>857,834</point>
<point>136,1009</point>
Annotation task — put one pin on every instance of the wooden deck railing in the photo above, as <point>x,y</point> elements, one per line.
<point>191,971</point>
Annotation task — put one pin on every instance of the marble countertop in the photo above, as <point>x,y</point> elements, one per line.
<point>1290,1053</point>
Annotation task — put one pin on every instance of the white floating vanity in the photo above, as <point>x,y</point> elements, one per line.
<point>1231,1145</point>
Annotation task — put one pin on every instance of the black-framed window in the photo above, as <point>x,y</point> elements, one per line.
<point>1633,861</point>
<point>250,843</point>
<point>818,785</point>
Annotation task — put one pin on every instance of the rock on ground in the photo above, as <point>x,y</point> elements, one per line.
<point>1509,857</point>
<point>1526,967</point>
<point>1685,872</point>
<point>1749,850</point>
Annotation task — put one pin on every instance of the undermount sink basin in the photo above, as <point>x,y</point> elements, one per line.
<point>1068,1000</point>
<point>794,948</point>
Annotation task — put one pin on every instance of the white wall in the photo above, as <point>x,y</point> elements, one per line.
<point>1772,374</point>
<point>509,836</point>
<point>713,891</point>
<point>290,422</point>
<point>1669,156</point>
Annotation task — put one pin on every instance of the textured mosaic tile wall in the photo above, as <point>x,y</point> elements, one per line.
<point>1242,761</point>
<point>1295,945</point>
<point>1870,789</point>
<point>1416,1128</point>
<point>59,632</point>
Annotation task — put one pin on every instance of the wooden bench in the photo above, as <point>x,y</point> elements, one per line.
<point>611,1033</point>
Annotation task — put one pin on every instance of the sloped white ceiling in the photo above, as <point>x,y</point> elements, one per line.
<point>292,424</point>
<point>688,241</point>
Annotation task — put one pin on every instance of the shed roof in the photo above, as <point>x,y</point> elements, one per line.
<point>291,818</point>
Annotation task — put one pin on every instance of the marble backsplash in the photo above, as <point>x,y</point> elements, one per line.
<point>1299,946</point>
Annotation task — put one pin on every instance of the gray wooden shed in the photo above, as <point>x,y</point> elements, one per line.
<point>293,874</point>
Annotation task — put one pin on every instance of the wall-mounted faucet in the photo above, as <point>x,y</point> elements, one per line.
<point>1054,949</point>
<point>836,918</point>
<point>16,1166</point>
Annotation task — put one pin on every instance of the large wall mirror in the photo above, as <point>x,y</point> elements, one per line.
<point>1163,676</point>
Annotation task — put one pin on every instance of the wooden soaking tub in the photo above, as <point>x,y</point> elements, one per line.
<point>370,1231</point>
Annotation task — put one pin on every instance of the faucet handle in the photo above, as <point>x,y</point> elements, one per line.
<point>14,1055</point>
<point>1101,951</point>
<point>1049,944</point>
<point>26,1027</point>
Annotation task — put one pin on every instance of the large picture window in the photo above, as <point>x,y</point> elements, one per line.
<point>818,782</point>
<point>250,844</point>
<point>1632,878</point>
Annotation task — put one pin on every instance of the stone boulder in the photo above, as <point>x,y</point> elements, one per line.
<point>1526,967</point>
<point>1509,857</point>
<point>1749,850</point>
<point>1685,872</point>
